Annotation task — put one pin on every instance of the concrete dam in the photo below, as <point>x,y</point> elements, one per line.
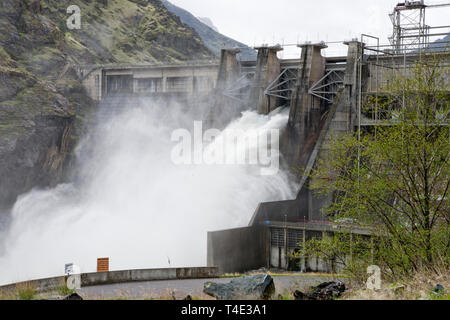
<point>324,97</point>
<point>130,202</point>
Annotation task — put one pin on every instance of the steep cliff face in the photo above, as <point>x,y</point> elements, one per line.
<point>43,106</point>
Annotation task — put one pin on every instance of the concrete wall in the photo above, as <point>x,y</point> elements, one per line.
<point>267,70</point>
<point>229,69</point>
<point>270,245</point>
<point>195,78</point>
<point>306,117</point>
<point>311,70</point>
<point>103,278</point>
<point>291,210</point>
<point>93,84</point>
<point>238,250</point>
<point>383,69</point>
<point>226,103</point>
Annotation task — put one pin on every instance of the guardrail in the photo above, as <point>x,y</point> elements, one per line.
<point>123,276</point>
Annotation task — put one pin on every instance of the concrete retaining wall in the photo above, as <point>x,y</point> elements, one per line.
<point>103,278</point>
<point>238,250</point>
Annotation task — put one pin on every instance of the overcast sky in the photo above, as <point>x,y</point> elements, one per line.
<point>255,22</point>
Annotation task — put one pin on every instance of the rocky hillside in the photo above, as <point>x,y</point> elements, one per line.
<point>212,39</point>
<point>208,22</point>
<point>43,106</point>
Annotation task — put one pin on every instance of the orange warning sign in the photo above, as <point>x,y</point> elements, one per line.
<point>102,264</point>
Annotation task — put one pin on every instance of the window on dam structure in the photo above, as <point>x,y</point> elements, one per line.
<point>178,84</point>
<point>149,85</point>
<point>283,243</point>
<point>120,84</point>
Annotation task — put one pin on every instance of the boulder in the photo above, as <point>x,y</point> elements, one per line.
<point>260,286</point>
<point>324,291</point>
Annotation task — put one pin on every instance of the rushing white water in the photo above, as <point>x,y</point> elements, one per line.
<point>133,204</point>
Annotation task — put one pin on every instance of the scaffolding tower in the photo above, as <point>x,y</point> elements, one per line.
<point>409,28</point>
<point>410,31</point>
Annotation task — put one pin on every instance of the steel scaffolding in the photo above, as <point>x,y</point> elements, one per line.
<point>410,30</point>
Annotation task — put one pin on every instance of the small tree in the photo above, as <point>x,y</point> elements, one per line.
<point>394,179</point>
